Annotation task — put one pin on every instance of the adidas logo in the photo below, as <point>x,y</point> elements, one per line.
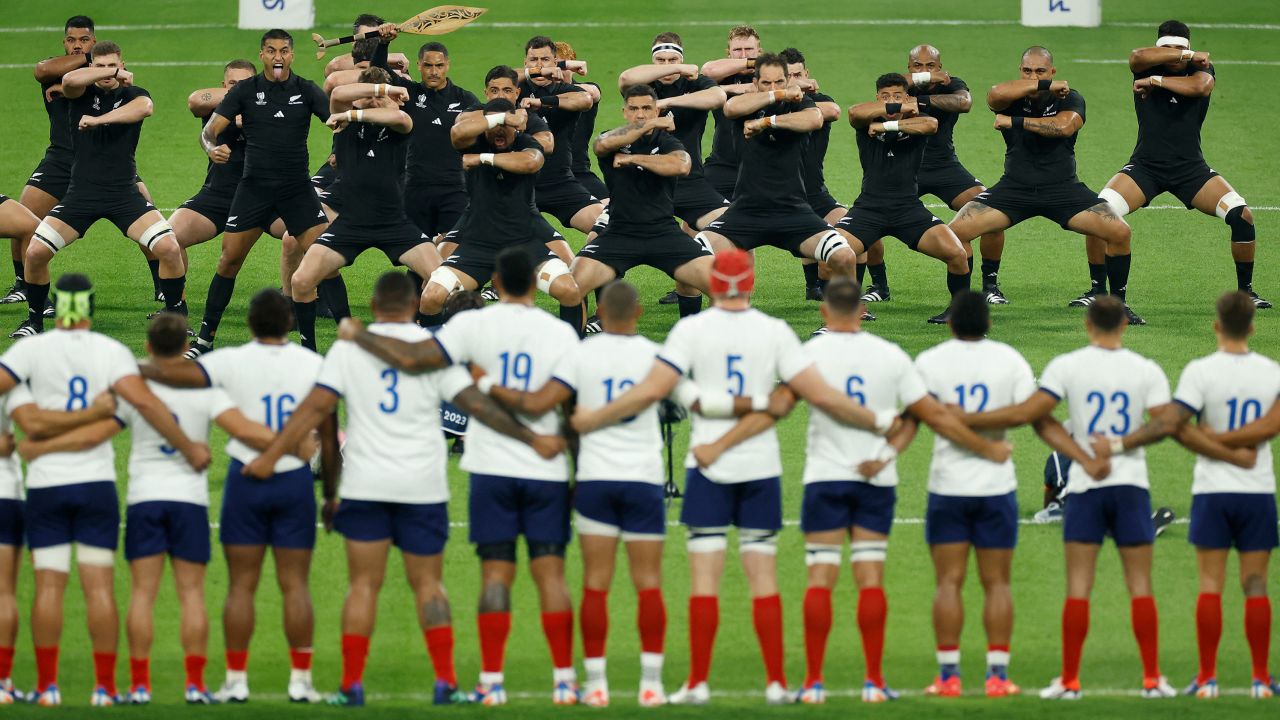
<point>371,154</point>
<point>279,114</point>
<point>436,122</point>
<point>1173,100</point>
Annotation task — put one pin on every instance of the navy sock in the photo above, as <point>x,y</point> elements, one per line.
<point>430,321</point>
<point>957,283</point>
<point>990,271</point>
<point>18,270</point>
<point>1118,274</point>
<point>946,671</point>
<point>154,267</point>
<point>220,290</point>
<point>861,272</point>
<point>305,313</point>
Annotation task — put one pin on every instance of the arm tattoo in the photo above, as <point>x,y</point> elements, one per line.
<point>407,356</point>
<point>1047,129</point>
<point>949,103</point>
<point>483,408</point>
<point>207,97</point>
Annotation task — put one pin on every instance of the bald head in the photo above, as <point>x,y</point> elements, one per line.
<point>1038,51</point>
<point>924,53</point>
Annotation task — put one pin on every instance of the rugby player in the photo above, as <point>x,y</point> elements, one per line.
<point>516,489</point>
<point>1039,117</point>
<point>972,501</point>
<point>892,136</point>
<point>732,350</point>
<point>394,488</point>
<point>619,494</point>
<point>642,162</point>
<point>734,74</point>
<point>1172,85</point>
<point>770,206</point>
<point>11,542</point>
<point>274,109</point>
<point>107,111</point>
<point>71,496</point>
<point>584,132</point>
<point>264,379</point>
<point>1108,390</point>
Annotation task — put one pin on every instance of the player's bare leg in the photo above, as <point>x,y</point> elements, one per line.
<point>188,578</point>
<point>10,562</point>
<point>293,569</point>
<point>145,575</point>
<point>995,567</point>
<point>557,623</point>
<point>599,558</point>
<point>1257,618</point>
<point>244,571</point>
<point>590,275</point>
<point>38,203</point>
<point>98,584</point>
<point>1217,197</point>
<point>154,232</point>
<point>645,560</point>
<point>1124,196</point>
<point>694,278</point>
<point>584,219</point>
<point>873,263</point>
<point>442,283</point>
<point>556,280</point>
<point>706,567</point>
<point>494,621</point>
<point>941,243</point>
<point>822,557</point>
<point>46,621</point>
<point>867,554</point>
<point>366,570</point>
<point>1082,562</point>
<point>17,223</point>
<point>235,248</point>
<point>39,255</point>
<point>950,567</point>
<point>992,248</point>
<point>1103,222</point>
<point>1136,560</point>
<point>425,574</point>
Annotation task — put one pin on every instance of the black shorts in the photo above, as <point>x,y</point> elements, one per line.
<point>591,183</point>
<point>945,183</point>
<point>213,204</point>
<point>331,196</point>
<point>1059,202</point>
<point>695,198</point>
<point>435,209</point>
<point>563,200</point>
<point>723,179</point>
<point>53,174</point>
<point>781,228</point>
<point>325,176</point>
<point>475,256</point>
<point>257,203</point>
<point>665,248</point>
<point>1182,181</point>
<point>82,207</point>
<point>908,223</point>
<point>393,239</point>
<point>822,202</point>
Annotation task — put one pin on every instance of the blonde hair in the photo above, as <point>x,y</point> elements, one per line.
<point>743,31</point>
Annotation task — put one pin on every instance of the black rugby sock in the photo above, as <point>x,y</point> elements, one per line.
<point>37,296</point>
<point>305,314</point>
<point>154,267</point>
<point>173,289</point>
<point>1244,276</point>
<point>958,282</point>
<point>1118,274</point>
<point>19,271</point>
<point>691,305</point>
<point>573,316</point>
<point>990,272</point>
<point>879,275</point>
<point>417,281</point>
<point>220,290</point>
<point>1098,277</point>
<point>430,321</point>
<point>861,272</point>
<point>333,291</point>
<point>810,274</point>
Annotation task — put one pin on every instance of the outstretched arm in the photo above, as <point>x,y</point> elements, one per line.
<point>481,407</point>
<point>202,103</point>
<point>1064,124</point>
<point>957,102</point>
<point>708,99</point>
<point>727,67</point>
<point>672,164</point>
<point>534,404</point>
<point>134,111</point>
<point>922,125</point>
<point>1142,59</point>
<point>750,102</point>
<point>408,356</point>
<point>747,427</point>
<point>55,68</point>
<point>397,120</point>
<point>898,442</point>
<point>1056,436</point>
<point>318,405</point>
<point>135,391</point>
<point>659,383</point>
<point>1197,85</point>
<point>1001,96</point>
<point>810,386</point>
<point>176,373</point>
<point>645,74</point>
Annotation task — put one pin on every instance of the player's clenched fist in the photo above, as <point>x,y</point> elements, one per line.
<point>548,446</point>
<point>220,155</point>
<point>1003,122</point>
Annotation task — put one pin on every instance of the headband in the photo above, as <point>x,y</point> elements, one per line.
<point>72,306</point>
<point>1175,41</point>
<point>667,47</point>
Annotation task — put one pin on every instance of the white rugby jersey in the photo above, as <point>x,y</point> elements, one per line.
<point>156,470</point>
<point>266,382</point>
<point>66,370</point>
<point>742,353</point>
<point>11,467</point>
<point>1228,390</point>
<point>518,346</point>
<point>977,375</point>
<point>1107,392</point>
<point>878,375</point>
<point>395,450</point>
<point>600,369</point>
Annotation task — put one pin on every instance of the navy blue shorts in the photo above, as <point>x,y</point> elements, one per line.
<point>180,529</point>
<point>11,525</point>
<point>1245,521</point>
<point>504,508</point>
<point>279,511</point>
<point>626,507</point>
<point>984,522</point>
<point>416,528</point>
<point>839,505</point>
<point>756,504</point>
<point>1123,511</point>
<point>87,513</point>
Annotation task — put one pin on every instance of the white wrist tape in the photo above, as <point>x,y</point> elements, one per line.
<point>485,384</point>
<point>1157,80</point>
<point>380,90</point>
<point>716,406</point>
<point>686,393</point>
<point>1117,446</point>
<point>888,453</point>
<point>773,121</point>
<point>775,96</point>
<point>759,403</point>
<point>486,158</point>
<point>495,119</point>
<point>891,126</point>
<point>921,78</point>
<point>884,420</point>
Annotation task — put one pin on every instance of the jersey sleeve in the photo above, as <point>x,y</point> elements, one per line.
<point>126,413</point>
<point>1073,102</point>
<point>1024,380</point>
<point>219,368</point>
<point>1190,392</point>
<point>956,85</point>
<point>667,143</point>
<point>331,375</point>
<point>122,363</point>
<point>18,361</point>
<point>20,395</point>
<point>230,106</point>
<point>219,402</point>
<point>792,359</point>
<point>1054,378</point>
<point>455,338</point>
<point>318,100</point>
<point>565,372</point>
<point>911,385</point>
<point>677,351</point>
<point>1157,385</point>
<point>452,381</point>
<point>133,93</point>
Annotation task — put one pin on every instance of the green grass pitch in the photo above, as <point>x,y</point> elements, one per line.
<point>1181,264</point>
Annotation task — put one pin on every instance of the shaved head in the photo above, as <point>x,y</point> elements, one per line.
<point>924,52</point>
<point>1038,51</point>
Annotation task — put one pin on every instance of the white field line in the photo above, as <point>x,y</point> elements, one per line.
<point>1120,61</point>
<point>459,525</point>
<point>622,696</point>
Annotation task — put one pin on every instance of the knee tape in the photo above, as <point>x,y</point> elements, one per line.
<point>550,271</point>
<point>586,526</point>
<point>94,556</point>
<point>54,557</point>
<point>828,245</point>
<point>602,222</point>
<point>751,540</point>
<point>1227,203</point>
<point>152,235</point>
<point>504,551</point>
<point>445,278</point>
<point>1115,200</point>
<point>868,551</point>
<point>819,554</point>
<point>706,540</point>
<point>543,549</point>
<point>50,237</point>
<point>1242,230</point>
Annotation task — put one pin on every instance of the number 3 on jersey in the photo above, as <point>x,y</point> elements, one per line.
<point>391,402</point>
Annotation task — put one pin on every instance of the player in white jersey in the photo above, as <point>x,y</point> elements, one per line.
<point>395,485</point>
<point>11,541</point>
<point>265,379</point>
<point>517,487</point>
<point>972,501</point>
<point>620,487</point>
<point>1108,390</point>
<point>732,351</point>
<point>71,496</point>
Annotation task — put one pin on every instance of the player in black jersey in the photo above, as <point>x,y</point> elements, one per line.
<point>943,96</point>
<point>891,145</point>
<point>770,206</point>
<point>584,132</point>
<point>735,75</point>
<point>642,162</point>
<point>371,138</point>
<point>558,193</point>
<point>502,163</point>
<point>1039,117</point>
<point>275,109</point>
<point>1172,85</point>
<point>107,111</point>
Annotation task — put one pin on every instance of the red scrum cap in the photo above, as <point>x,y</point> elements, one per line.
<point>733,273</point>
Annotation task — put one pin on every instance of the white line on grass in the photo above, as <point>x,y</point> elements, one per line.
<point>460,525</point>
<point>1118,61</point>
<point>752,694</point>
